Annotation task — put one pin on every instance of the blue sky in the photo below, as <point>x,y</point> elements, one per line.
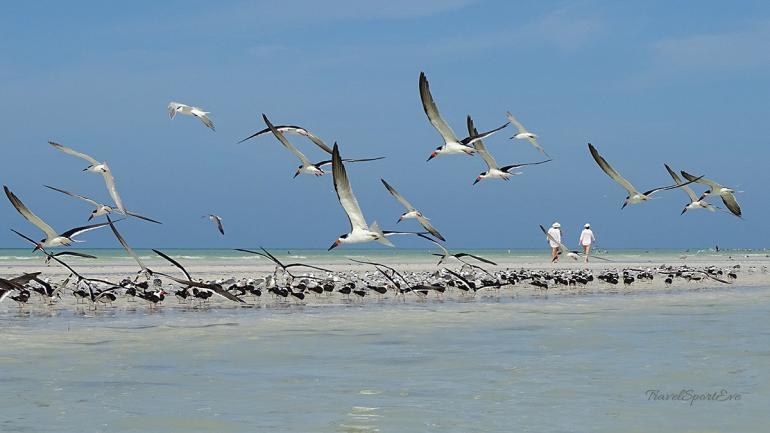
<point>684,83</point>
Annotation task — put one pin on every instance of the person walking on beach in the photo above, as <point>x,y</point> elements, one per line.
<point>587,239</point>
<point>553,238</point>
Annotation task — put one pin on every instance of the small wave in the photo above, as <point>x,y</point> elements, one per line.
<point>210,325</point>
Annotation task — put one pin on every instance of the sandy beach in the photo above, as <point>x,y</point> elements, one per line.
<point>751,269</point>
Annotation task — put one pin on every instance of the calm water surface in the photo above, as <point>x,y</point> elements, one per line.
<point>539,365</point>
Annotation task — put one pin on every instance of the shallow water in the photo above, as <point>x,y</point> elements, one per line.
<point>541,365</point>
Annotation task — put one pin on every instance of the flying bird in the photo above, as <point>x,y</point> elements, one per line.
<point>293,129</point>
<point>493,171</point>
<point>100,209</point>
<point>213,287</point>
<point>96,167</point>
<point>144,269</point>
<point>726,194</point>
<point>524,134</point>
<point>216,220</point>
<point>52,238</point>
<point>307,167</point>
<point>459,256</point>
<point>285,266</point>
<point>187,110</point>
<point>359,230</point>
<point>634,196</point>
<point>452,144</point>
<point>695,202</point>
<point>412,212</point>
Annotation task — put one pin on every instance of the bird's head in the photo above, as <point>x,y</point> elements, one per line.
<point>479,177</point>
<point>338,242</point>
<point>434,153</point>
<point>38,246</point>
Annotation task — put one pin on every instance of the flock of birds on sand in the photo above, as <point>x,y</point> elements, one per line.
<point>471,277</point>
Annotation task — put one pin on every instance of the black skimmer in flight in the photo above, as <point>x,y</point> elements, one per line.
<point>493,171</point>
<point>452,144</point>
<point>695,202</point>
<point>52,238</point>
<point>285,266</point>
<point>459,256</point>
<point>307,167</point>
<point>360,231</point>
<point>100,209</point>
<point>187,110</point>
<point>128,249</point>
<point>634,196</point>
<point>412,212</point>
<point>292,129</point>
<point>98,167</point>
<point>524,134</point>
<point>726,194</point>
<point>211,287</point>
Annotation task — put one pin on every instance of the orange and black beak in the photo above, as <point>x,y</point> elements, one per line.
<point>432,155</point>
<point>37,247</point>
<point>478,179</point>
<point>334,245</point>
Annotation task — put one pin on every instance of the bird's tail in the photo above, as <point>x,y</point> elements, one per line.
<point>380,235</point>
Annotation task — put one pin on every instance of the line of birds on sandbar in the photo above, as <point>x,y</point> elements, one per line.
<point>383,283</point>
<point>360,231</point>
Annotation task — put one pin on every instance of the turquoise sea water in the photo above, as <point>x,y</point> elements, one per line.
<point>213,255</point>
<point>504,364</point>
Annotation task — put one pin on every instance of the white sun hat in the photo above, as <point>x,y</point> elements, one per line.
<point>587,225</point>
<point>556,225</point>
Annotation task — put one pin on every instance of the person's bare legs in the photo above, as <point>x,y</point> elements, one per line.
<point>554,255</point>
<point>586,250</point>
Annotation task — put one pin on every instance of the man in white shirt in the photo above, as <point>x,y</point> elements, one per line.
<point>554,237</point>
<point>586,239</point>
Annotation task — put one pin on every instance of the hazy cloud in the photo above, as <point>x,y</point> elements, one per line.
<point>709,55</point>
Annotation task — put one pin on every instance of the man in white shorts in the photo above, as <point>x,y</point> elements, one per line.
<point>554,237</point>
<point>586,239</point>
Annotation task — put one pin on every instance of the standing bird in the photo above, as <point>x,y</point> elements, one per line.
<point>217,220</point>
<point>524,134</point>
<point>52,238</point>
<point>412,212</point>
<point>695,202</point>
<point>634,196</point>
<point>493,171</point>
<point>359,230</point>
<point>176,107</point>
<point>452,145</point>
<point>726,194</point>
